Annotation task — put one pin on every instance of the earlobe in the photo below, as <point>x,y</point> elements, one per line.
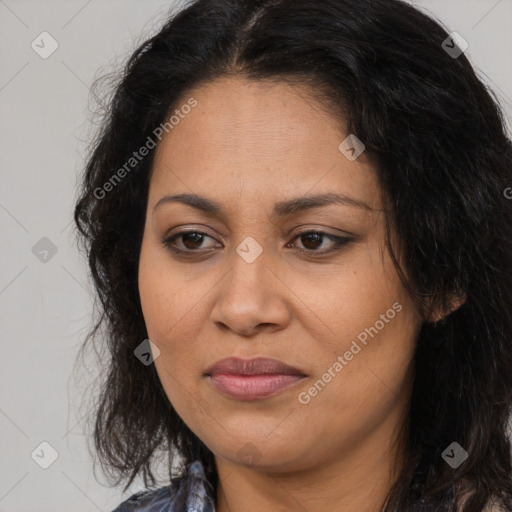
<point>455,302</point>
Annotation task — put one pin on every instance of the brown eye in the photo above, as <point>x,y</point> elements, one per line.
<point>191,241</point>
<point>194,239</point>
<point>312,240</point>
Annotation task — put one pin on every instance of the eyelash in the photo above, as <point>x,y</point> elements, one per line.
<point>338,242</point>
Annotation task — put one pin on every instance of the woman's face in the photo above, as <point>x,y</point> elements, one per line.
<point>248,284</point>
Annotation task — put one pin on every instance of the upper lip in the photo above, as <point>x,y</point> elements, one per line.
<point>254,366</point>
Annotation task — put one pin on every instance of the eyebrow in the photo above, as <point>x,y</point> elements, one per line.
<point>281,209</point>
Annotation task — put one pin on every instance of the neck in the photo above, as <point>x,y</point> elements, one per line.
<point>357,480</point>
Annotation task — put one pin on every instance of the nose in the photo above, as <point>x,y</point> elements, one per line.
<point>251,298</point>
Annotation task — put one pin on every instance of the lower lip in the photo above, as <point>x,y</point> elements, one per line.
<point>253,387</point>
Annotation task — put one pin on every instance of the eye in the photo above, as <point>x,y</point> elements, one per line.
<point>192,241</point>
<point>313,239</point>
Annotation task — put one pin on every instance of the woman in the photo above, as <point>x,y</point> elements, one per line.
<point>296,221</point>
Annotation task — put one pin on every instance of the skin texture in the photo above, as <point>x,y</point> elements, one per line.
<point>248,145</point>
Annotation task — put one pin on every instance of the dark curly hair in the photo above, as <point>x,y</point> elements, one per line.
<point>437,138</point>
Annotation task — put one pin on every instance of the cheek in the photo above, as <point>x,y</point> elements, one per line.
<point>168,315</point>
<point>173,311</point>
<point>369,322</point>
<point>170,303</point>
<point>349,399</point>
<point>335,303</point>
<point>375,342</point>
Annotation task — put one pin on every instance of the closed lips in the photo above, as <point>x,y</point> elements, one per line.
<point>254,366</point>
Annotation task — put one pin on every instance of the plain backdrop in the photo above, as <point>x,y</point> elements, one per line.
<point>45,297</point>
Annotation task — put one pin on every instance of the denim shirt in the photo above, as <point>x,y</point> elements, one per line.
<point>165,499</point>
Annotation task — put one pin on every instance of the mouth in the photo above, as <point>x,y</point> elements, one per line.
<point>252,379</point>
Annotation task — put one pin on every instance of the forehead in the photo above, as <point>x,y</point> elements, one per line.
<point>238,115</point>
<point>270,136</point>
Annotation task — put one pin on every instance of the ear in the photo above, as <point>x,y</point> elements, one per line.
<point>455,300</point>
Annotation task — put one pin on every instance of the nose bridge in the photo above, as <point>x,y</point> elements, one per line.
<point>250,262</point>
<point>248,296</point>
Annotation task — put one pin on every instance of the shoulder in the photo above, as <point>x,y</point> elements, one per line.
<point>191,490</point>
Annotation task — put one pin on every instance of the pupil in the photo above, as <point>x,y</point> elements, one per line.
<point>197,236</point>
<point>309,236</point>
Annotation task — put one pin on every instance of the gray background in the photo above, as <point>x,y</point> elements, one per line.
<point>46,306</point>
